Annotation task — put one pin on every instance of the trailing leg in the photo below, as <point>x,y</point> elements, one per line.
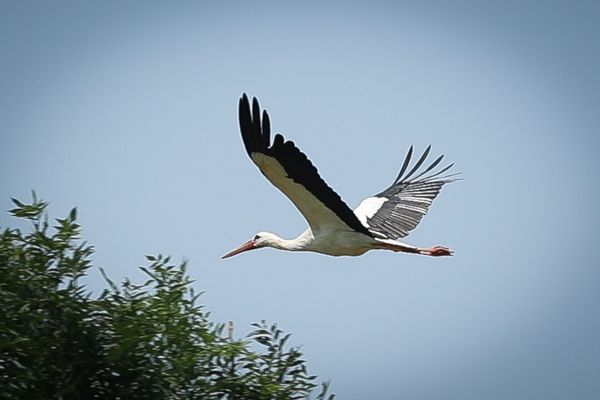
<point>435,251</point>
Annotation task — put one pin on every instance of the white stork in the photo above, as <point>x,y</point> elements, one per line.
<point>335,229</point>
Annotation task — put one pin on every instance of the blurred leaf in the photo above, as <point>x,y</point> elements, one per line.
<point>17,202</point>
<point>73,214</point>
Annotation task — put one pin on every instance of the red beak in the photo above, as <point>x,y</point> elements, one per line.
<point>249,245</point>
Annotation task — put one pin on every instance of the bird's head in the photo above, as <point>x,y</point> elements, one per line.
<point>261,239</point>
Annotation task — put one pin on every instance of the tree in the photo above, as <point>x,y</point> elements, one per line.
<point>133,341</point>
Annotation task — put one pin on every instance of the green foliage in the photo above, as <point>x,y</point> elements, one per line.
<point>134,341</point>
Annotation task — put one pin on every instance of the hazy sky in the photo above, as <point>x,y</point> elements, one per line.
<point>128,110</point>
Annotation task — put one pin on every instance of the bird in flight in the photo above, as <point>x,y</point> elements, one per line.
<point>334,228</point>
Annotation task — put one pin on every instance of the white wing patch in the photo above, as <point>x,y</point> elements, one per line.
<point>369,207</point>
<point>318,216</point>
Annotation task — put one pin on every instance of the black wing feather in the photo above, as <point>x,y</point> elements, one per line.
<point>432,166</point>
<point>257,139</point>
<point>418,164</point>
<point>266,128</point>
<point>405,164</point>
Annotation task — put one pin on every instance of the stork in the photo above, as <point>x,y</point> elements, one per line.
<point>334,228</point>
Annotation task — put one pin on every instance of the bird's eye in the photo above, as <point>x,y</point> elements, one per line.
<point>256,238</point>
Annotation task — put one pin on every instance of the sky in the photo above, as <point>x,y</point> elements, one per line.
<point>128,110</point>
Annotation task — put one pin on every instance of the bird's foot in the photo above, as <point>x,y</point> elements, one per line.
<point>437,251</point>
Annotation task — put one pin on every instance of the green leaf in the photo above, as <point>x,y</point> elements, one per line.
<point>73,214</point>
<point>17,202</point>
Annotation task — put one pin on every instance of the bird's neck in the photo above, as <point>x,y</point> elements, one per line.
<point>300,243</point>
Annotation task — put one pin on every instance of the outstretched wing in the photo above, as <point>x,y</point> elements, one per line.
<point>393,213</point>
<point>286,167</point>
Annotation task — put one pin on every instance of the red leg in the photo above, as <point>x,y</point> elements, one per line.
<point>437,251</point>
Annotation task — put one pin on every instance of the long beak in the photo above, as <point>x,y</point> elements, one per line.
<point>249,245</point>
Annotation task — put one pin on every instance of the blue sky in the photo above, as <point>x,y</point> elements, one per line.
<point>128,111</point>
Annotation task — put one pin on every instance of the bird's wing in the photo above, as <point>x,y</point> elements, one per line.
<point>397,210</point>
<point>282,163</point>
